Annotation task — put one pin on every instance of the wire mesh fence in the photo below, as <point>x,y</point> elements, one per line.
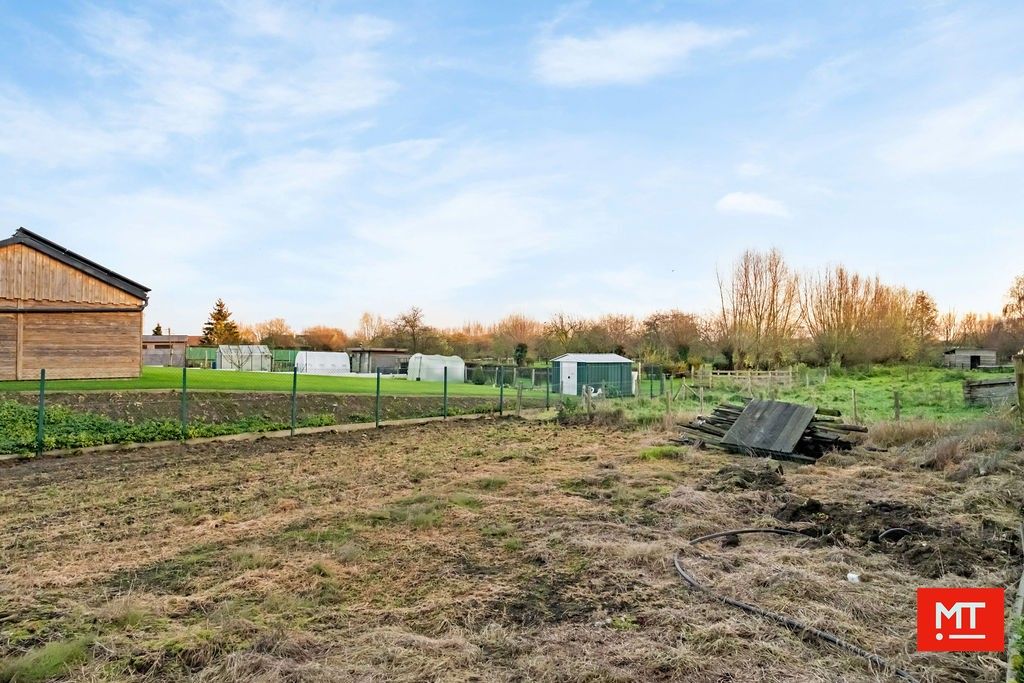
<point>183,403</point>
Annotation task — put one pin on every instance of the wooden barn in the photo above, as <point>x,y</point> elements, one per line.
<point>65,313</point>
<point>969,359</point>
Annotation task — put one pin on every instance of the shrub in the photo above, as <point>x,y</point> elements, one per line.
<point>478,376</point>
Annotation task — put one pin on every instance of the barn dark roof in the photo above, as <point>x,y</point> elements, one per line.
<point>70,258</point>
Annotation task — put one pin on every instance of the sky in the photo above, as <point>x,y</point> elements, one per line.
<point>315,160</point>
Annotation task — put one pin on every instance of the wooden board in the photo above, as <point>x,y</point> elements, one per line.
<point>8,347</point>
<point>31,278</point>
<point>81,345</point>
<point>773,426</point>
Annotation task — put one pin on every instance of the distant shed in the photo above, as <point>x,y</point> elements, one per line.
<point>608,372</point>
<point>970,359</point>
<point>390,361</point>
<point>66,314</point>
<point>167,350</point>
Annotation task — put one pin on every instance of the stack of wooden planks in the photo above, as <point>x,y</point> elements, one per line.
<point>771,429</point>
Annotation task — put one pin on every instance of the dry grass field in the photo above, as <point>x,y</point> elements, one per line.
<point>493,550</point>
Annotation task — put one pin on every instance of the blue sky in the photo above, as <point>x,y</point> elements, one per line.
<point>314,161</point>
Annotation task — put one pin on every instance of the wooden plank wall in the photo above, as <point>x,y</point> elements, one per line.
<point>8,346</point>
<point>81,345</point>
<point>89,344</point>
<point>35,279</point>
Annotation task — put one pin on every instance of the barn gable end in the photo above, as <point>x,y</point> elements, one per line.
<point>66,314</point>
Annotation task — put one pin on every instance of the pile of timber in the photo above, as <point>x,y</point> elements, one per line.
<point>771,429</point>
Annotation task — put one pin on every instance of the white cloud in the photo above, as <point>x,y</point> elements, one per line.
<point>630,55</point>
<point>146,89</point>
<point>982,130</point>
<point>752,203</point>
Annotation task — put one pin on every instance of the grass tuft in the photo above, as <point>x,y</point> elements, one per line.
<point>53,660</point>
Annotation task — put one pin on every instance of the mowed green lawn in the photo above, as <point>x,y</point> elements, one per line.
<point>231,380</point>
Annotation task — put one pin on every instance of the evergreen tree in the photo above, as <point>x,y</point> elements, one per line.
<point>158,330</point>
<point>220,328</point>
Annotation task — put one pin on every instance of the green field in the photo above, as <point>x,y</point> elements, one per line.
<point>228,380</point>
<point>925,392</point>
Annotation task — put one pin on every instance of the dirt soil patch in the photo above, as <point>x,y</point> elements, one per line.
<point>491,550</point>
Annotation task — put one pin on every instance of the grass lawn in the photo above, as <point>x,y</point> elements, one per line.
<point>226,380</point>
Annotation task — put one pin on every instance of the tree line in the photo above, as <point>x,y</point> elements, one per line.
<point>768,316</point>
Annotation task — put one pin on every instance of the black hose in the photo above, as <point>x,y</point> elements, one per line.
<point>888,532</point>
<point>737,532</point>
<point>796,626</point>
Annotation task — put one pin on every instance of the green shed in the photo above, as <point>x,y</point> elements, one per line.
<point>609,373</point>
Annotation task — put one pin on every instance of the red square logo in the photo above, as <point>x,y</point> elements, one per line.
<point>960,620</point>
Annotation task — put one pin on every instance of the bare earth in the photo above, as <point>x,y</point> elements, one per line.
<point>495,550</point>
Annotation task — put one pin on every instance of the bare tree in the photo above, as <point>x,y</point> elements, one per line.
<point>759,309</point>
<point>275,333</point>
<point>411,326</point>
<point>371,328</point>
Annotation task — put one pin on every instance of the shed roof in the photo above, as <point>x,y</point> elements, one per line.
<point>261,349</point>
<point>592,358</point>
<point>968,349</point>
<point>76,261</point>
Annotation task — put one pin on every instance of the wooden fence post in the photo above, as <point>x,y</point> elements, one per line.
<point>1018,376</point>
<point>896,404</point>
<point>856,419</point>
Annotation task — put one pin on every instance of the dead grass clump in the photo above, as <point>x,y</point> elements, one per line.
<point>906,433</point>
<point>286,505</point>
<point>125,612</point>
<point>972,449</point>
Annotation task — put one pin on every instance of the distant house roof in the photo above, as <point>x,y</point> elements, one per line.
<point>70,258</point>
<point>958,349</point>
<point>375,349</point>
<point>592,358</point>
<point>165,338</point>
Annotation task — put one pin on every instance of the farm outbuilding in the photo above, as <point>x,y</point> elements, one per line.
<point>970,359</point>
<point>245,357</point>
<point>166,350</point>
<point>322,363</point>
<point>609,373</point>
<point>431,368</point>
<point>66,314</point>
<point>369,359</point>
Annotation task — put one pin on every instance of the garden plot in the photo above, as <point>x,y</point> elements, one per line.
<point>492,550</point>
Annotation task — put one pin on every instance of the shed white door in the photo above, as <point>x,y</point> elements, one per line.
<point>568,378</point>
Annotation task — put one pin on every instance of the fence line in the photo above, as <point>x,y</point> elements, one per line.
<point>81,418</point>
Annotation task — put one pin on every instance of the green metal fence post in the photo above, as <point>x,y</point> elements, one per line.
<point>547,390</point>
<point>41,417</point>
<point>183,414</point>
<point>445,392</point>
<point>376,410</point>
<point>501,391</point>
<point>650,376</point>
<point>295,397</point>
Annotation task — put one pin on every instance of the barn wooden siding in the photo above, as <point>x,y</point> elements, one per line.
<point>65,314</point>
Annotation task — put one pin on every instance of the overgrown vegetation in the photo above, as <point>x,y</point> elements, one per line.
<point>66,428</point>
<point>491,549</point>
